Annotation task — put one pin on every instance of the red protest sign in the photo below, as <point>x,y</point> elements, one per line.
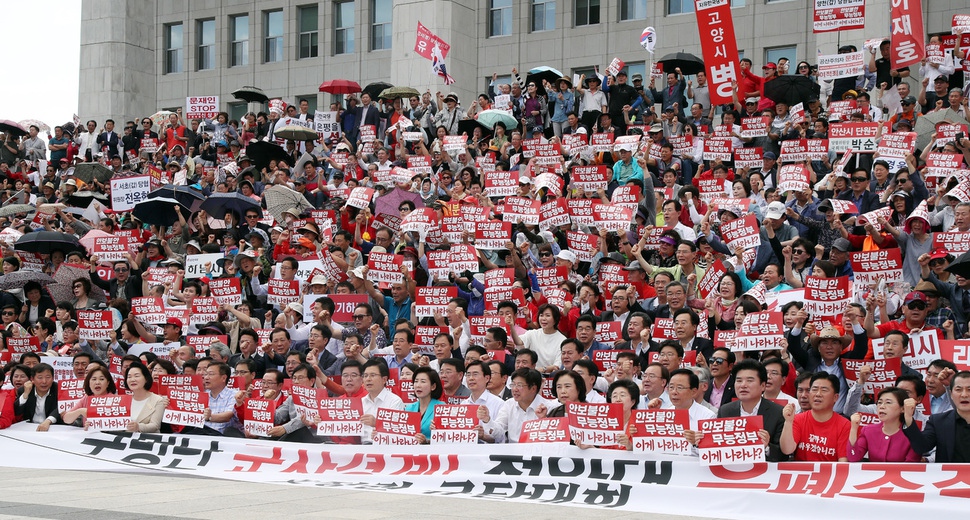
<point>612,275</point>
<point>396,427</point>
<point>907,35</point>
<point>479,325</point>
<point>841,16</point>
<point>187,382</point>
<point>742,232</point>
<point>69,393</point>
<point>281,292</point>
<point>341,417</point>
<point>731,440</point>
<point>550,277</point>
<point>496,295</point>
<point>500,183</point>
<point>760,331</point>
<point>584,245</point>
<point>258,417</point>
<point>792,177</point>
<point>596,424</point>
<point>581,211</point>
<point>430,299</point>
<point>204,310</point>
<point>826,296</point>
<point>613,218</point>
<point>110,248</point>
<point>601,142</point>
<point>883,375</point>
<point>108,412</point>
<point>712,278</point>
<point>419,221</point>
<point>605,359</point>
<point>870,267</point>
<point>609,332</point>
<point>719,148</point>
<point>715,26</point>
<point>20,346</point>
<point>95,325</point>
<point>186,407</point>
<point>521,209</point>
<point>360,197</point>
<point>589,178</point>
<point>661,431</point>
<point>545,430</point>
<point>754,127</point>
<point>226,291</point>
<point>201,342</point>
<point>455,424</point>
<point>954,242</point>
<point>344,305</point>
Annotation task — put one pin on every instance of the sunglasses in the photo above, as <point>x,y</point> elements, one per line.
<point>902,180</point>
<point>718,361</point>
<point>916,305</point>
<point>545,253</point>
<point>361,316</point>
<point>121,270</point>
<point>405,208</point>
<point>859,179</point>
<point>8,313</point>
<point>798,251</point>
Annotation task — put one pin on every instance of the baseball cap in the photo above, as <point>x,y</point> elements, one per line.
<point>842,244</point>
<point>751,100</point>
<point>771,155</point>
<point>637,77</point>
<point>567,255</point>
<point>908,100</point>
<point>775,210</point>
<point>656,127</point>
<point>318,280</point>
<point>298,308</point>
<point>937,254</point>
<point>770,65</point>
<point>613,257</point>
<point>634,266</point>
<point>174,321</point>
<point>914,296</point>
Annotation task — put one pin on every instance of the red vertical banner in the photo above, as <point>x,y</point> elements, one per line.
<point>908,36</point>
<point>716,30</point>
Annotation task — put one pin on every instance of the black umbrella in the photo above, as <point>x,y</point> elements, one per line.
<point>468,126</point>
<point>375,89</point>
<point>960,266</point>
<point>190,198</point>
<point>538,74</point>
<point>250,94</point>
<point>83,199</point>
<point>688,63</point>
<point>218,204</point>
<point>791,89</point>
<point>92,170</point>
<point>262,152</point>
<point>45,242</point>
<point>12,127</point>
<point>160,211</point>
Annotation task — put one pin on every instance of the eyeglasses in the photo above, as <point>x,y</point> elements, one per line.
<point>902,180</point>
<point>545,253</point>
<point>798,251</point>
<point>718,361</point>
<point>121,269</point>
<point>859,179</point>
<point>361,316</point>
<point>404,208</point>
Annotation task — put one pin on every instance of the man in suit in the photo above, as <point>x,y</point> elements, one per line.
<point>948,432</point>
<point>686,322</point>
<point>37,400</point>
<point>109,140</point>
<point>749,383</point>
<point>366,114</point>
<point>721,390</point>
<point>127,281</point>
<point>673,93</point>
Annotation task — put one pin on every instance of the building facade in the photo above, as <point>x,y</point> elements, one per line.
<point>139,56</point>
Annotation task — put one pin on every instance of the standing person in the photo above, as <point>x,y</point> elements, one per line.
<point>819,434</point>
<point>563,103</point>
<point>175,132</point>
<point>622,95</point>
<point>672,95</point>
<point>885,440</point>
<point>545,341</point>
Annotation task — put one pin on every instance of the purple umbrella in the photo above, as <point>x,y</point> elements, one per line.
<point>391,201</point>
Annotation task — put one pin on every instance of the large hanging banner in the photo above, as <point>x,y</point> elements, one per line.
<point>907,33</point>
<point>839,15</point>
<point>715,26</point>
<point>535,472</point>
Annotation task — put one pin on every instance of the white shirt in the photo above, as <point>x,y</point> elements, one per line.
<point>41,405</point>
<point>547,346</point>
<point>664,401</point>
<point>507,427</point>
<point>385,399</point>
<point>490,401</point>
<point>595,397</point>
<point>744,413</point>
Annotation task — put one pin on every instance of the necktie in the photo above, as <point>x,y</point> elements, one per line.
<point>670,92</point>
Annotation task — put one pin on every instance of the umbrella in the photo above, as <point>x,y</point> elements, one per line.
<point>250,94</point>
<point>63,287</point>
<point>468,126</point>
<point>488,118</point>
<point>390,201</point>
<point>12,127</point>
<point>926,125</point>
<point>218,204</point>
<point>280,198</point>
<point>17,279</point>
<point>159,211</point>
<point>340,86</point>
<point>13,209</point>
<point>91,237</point>
<point>92,170</point>
<point>960,266</point>
<point>262,152</point>
<point>296,133</point>
<point>399,92</point>
<point>42,126</point>
<point>44,242</point>
<point>688,63</point>
<point>540,74</point>
<point>159,118</point>
<point>791,89</point>
<point>188,197</point>
<point>375,89</point>
<point>83,199</point>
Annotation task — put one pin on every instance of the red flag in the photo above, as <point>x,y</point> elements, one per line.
<point>908,36</point>
<point>716,29</point>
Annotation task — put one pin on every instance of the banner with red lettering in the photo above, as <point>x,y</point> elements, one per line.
<point>731,441</point>
<point>385,267</point>
<point>204,310</point>
<point>760,331</point>
<point>396,427</point>
<point>589,178</point>
<point>455,424</point>
<point>595,424</point>
<point>69,393</point>
<point>839,15</point>
<point>551,430</point>
<point>96,325</point>
<point>492,235</point>
<point>742,232</point>
<point>430,299</point>
<point>20,346</point>
<point>521,209</point>
<point>612,217</point>
<point>554,213</point>
<point>923,349</point>
<point>185,407</point>
<point>661,431</point>
<point>908,36</point>
<point>608,333</point>
<point>584,245</point>
<point>953,242</point>
<point>226,291</point>
<point>846,65</point>
<point>858,137</point>
<point>870,267</point>
<point>108,412</point>
<point>719,46</point>
<point>754,127</point>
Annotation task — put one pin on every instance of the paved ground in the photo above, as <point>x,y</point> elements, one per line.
<point>83,495</point>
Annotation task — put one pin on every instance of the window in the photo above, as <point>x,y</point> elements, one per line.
<point>500,18</point>
<point>380,36</point>
<point>311,101</point>
<point>632,10</point>
<point>543,15</point>
<point>637,68</point>
<point>272,36</point>
<point>237,111</point>
<point>587,12</point>
<point>773,54</point>
<point>343,27</point>
<point>173,48</point>
<point>239,40</point>
<point>309,46</point>
<point>206,38</point>
<point>680,6</point>
<point>500,80</point>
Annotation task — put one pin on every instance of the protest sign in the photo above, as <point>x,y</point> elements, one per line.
<point>492,235</point>
<point>834,66</point>
<point>792,177</point>
<point>715,27</point>
<point>258,417</point>
<point>858,137</point>
<point>907,33</point>
<point>551,430</point>
<point>108,412</point>
<point>69,393</point>
<point>595,424</point>
<point>760,331</point>
<point>748,158</point>
<point>185,407</point>
<point>128,191</point>
<point>731,441</point>
<point>923,349</point>
<point>340,417</point>
<point>204,310</point>
<point>742,232</point>
<point>826,297</point>
<point>149,310</point>
<point>281,292</point>
<point>661,431</point>
<point>430,299</point>
<point>201,107</point>
<point>203,265</point>
<point>870,267</point>
<point>226,291</point>
<point>883,375</point>
<point>839,15</point>
<point>396,427</point>
<point>609,332</point>
<point>95,325</point>
<point>455,424</point>
<point>521,209</point>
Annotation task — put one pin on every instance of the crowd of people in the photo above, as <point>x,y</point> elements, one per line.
<point>538,357</point>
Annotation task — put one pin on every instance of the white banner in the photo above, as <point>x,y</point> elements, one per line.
<point>128,191</point>
<point>537,473</point>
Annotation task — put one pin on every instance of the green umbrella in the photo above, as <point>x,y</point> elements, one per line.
<point>399,92</point>
<point>488,118</point>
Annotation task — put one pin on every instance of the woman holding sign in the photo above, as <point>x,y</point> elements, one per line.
<point>427,391</point>
<point>147,407</point>
<point>627,393</point>
<point>98,382</point>
<point>568,387</point>
<point>882,441</point>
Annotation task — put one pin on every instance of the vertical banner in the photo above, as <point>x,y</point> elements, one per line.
<point>908,35</point>
<point>719,46</point>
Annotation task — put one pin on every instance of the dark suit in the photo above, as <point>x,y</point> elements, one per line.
<point>704,347</point>
<point>109,140</point>
<point>26,411</point>
<point>132,285</point>
<point>774,423</point>
<point>370,116</point>
<point>261,362</point>
<point>939,432</point>
<point>726,397</point>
